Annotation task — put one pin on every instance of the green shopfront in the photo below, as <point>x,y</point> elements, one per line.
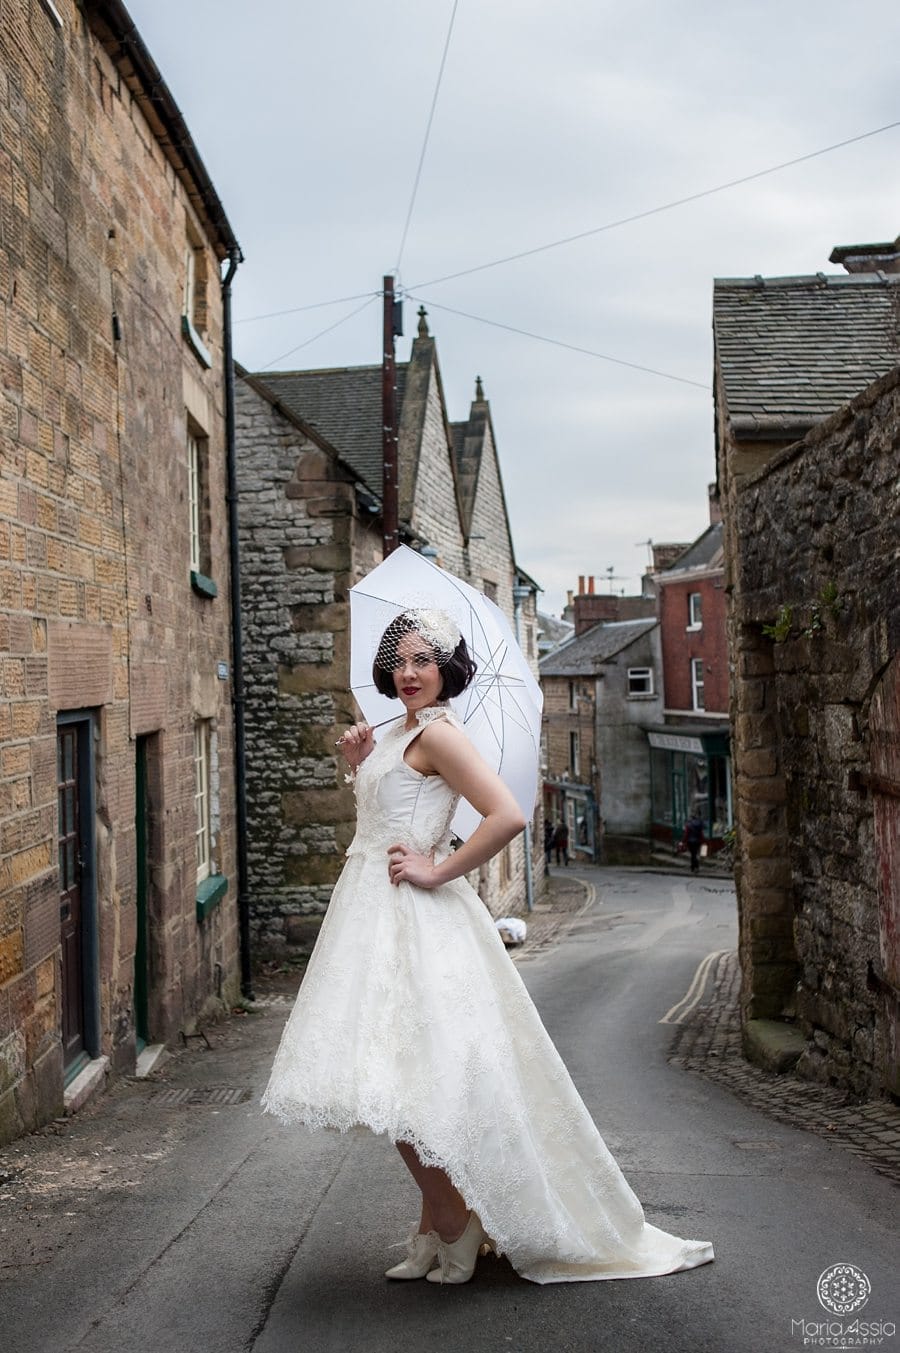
<point>690,772</point>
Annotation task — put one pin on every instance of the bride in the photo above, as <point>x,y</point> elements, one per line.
<point>412,1021</point>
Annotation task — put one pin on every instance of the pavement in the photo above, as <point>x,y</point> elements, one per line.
<point>169,1216</point>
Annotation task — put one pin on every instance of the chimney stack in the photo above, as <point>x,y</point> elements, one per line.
<point>581,584</point>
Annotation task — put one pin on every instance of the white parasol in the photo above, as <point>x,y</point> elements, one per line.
<point>500,710</point>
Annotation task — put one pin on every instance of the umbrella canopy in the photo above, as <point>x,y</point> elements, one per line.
<point>500,710</point>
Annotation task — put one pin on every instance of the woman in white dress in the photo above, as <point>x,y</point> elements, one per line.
<point>412,1021</point>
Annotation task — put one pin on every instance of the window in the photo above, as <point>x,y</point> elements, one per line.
<point>203,826</point>
<point>198,511</point>
<point>490,590</point>
<point>695,611</point>
<point>194,316</point>
<point>573,756</point>
<point>697,701</point>
<point>194,499</point>
<point>640,681</point>
<point>573,695</point>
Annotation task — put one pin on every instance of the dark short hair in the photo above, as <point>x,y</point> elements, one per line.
<point>457,670</point>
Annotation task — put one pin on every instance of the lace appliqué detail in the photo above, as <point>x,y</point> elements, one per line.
<point>434,712</point>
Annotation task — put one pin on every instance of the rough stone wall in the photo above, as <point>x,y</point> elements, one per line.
<point>434,508</point>
<point>98,610</point>
<point>681,643</point>
<point>623,750</point>
<point>302,548</point>
<point>815,531</point>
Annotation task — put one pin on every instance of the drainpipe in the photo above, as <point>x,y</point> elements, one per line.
<point>520,593</point>
<point>237,650</point>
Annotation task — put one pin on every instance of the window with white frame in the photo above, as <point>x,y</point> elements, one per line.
<point>202,805</point>
<point>573,695</point>
<point>195,499</point>
<point>574,766</point>
<point>640,681</point>
<point>697,701</point>
<point>695,611</point>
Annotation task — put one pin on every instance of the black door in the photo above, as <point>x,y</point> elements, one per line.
<point>70,909</point>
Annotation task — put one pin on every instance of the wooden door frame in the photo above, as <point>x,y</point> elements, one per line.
<point>85,720</point>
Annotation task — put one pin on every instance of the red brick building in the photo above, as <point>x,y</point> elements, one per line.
<point>690,751</point>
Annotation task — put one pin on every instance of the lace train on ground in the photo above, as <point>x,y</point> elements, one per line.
<point>412,1021</point>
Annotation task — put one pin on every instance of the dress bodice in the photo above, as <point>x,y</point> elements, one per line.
<point>395,802</point>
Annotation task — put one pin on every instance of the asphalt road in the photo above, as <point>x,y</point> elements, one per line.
<point>160,1229</point>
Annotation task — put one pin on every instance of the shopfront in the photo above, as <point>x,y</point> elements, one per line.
<point>573,804</point>
<point>690,772</point>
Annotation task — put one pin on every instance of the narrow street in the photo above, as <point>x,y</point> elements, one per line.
<point>149,1225</point>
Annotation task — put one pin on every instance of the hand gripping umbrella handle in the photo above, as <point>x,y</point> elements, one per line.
<point>373,726</point>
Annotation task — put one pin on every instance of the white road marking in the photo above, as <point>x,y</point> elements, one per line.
<point>693,995</point>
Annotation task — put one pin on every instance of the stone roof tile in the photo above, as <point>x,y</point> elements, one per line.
<point>792,350</point>
<point>584,655</point>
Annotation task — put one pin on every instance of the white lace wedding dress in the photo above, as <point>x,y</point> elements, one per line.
<point>412,1021</point>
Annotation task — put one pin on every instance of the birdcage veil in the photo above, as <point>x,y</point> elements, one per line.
<point>435,626</point>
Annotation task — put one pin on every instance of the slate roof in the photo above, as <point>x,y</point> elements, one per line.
<point>706,551</point>
<point>344,405</point>
<point>792,350</point>
<point>583,656</point>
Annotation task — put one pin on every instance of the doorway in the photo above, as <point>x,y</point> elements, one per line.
<point>77,891</point>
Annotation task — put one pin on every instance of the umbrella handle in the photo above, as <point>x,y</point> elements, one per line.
<point>373,726</point>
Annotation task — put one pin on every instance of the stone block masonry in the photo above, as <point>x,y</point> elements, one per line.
<point>99,389</point>
<point>302,548</point>
<point>817,732</point>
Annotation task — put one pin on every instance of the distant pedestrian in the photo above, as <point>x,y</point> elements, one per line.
<point>548,845</point>
<point>561,843</point>
<point>693,839</point>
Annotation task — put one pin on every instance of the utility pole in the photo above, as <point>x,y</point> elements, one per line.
<point>392,328</point>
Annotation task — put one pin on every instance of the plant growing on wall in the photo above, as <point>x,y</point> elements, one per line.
<point>828,604</point>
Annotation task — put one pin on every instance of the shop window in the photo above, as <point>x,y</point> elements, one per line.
<point>640,681</point>
<point>697,699</point>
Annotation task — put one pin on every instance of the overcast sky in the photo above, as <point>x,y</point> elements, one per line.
<point>554,117</point>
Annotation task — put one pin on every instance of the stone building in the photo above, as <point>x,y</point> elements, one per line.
<point>808,429</point>
<point>118,925</point>
<point>310,456</point>
<point>602,691</point>
<point>690,749</point>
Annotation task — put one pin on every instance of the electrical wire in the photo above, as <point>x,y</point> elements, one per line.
<point>298,309</point>
<point>558,343</point>
<point>437,87</point>
<point>321,334</point>
<point>655,211</point>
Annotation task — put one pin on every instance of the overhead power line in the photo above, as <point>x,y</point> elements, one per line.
<point>655,211</point>
<point>316,305</point>
<point>558,343</point>
<point>437,87</point>
<point>321,334</point>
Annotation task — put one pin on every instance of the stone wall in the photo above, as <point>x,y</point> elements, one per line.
<point>302,548</point>
<point>815,535</point>
<point>98,611</point>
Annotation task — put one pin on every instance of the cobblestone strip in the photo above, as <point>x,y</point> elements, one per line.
<point>709,1044</point>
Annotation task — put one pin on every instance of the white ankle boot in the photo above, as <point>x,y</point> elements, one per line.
<point>456,1260</point>
<point>421,1252</point>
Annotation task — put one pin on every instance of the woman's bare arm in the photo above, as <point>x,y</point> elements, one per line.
<point>446,751</point>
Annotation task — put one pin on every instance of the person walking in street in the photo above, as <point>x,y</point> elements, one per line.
<point>561,843</point>
<point>548,846</point>
<point>412,1021</point>
<point>693,839</point>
